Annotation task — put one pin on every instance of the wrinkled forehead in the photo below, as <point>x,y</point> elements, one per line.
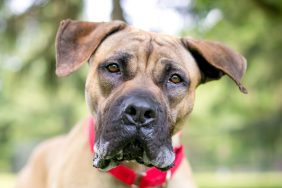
<point>139,42</point>
<point>147,47</point>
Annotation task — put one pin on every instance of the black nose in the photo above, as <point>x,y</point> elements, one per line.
<point>140,110</point>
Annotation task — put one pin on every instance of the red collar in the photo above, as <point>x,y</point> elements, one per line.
<point>151,178</point>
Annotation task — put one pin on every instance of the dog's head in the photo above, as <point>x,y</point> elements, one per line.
<point>140,86</point>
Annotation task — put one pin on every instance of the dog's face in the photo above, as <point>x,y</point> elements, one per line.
<point>140,86</point>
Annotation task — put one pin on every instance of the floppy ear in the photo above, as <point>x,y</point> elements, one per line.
<point>215,60</point>
<point>76,41</point>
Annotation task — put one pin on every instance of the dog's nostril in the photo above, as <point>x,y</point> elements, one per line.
<point>149,114</point>
<point>131,111</point>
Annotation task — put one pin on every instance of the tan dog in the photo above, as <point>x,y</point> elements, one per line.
<point>140,89</point>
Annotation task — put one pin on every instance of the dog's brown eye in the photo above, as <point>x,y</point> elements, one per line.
<point>175,78</point>
<point>113,68</point>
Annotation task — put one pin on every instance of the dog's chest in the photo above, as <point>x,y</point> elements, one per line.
<point>74,168</point>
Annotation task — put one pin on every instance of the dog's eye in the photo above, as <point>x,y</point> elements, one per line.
<point>175,78</point>
<point>113,68</point>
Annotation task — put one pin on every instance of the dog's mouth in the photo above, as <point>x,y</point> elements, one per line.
<point>134,128</point>
<point>134,151</point>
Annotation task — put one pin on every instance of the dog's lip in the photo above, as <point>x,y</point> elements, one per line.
<point>100,163</point>
<point>131,151</point>
<point>109,162</point>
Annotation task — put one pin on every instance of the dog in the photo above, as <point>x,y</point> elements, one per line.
<point>140,89</point>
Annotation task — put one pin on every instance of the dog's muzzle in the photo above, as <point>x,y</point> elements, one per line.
<point>135,127</point>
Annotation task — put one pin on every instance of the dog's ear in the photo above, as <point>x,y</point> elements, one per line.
<point>76,41</point>
<point>215,60</point>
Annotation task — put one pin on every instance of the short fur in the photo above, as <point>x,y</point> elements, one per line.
<point>147,61</point>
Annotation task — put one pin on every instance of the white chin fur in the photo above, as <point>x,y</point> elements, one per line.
<point>100,149</point>
<point>164,159</point>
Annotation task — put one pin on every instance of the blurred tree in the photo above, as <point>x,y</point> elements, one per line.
<point>230,130</point>
<point>252,123</point>
<point>28,84</point>
<point>117,12</point>
<point>27,81</point>
<point>37,23</point>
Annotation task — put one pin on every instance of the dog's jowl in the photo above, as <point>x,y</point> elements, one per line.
<point>140,88</point>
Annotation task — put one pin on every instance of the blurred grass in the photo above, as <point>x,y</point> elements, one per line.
<point>239,180</point>
<point>207,180</point>
<point>7,180</point>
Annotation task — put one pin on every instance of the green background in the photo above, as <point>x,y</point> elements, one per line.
<point>232,139</point>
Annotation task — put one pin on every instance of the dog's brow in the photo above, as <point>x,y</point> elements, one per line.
<point>122,57</point>
<point>173,65</point>
<point>170,63</point>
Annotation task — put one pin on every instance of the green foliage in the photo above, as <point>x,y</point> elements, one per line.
<point>239,180</point>
<point>208,180</point>
<point>226,130</point>
<point>32,106</point>
<point>237,131</point>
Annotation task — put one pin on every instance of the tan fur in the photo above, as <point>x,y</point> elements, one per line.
<point>135,41</point>
<point>66,162</point>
